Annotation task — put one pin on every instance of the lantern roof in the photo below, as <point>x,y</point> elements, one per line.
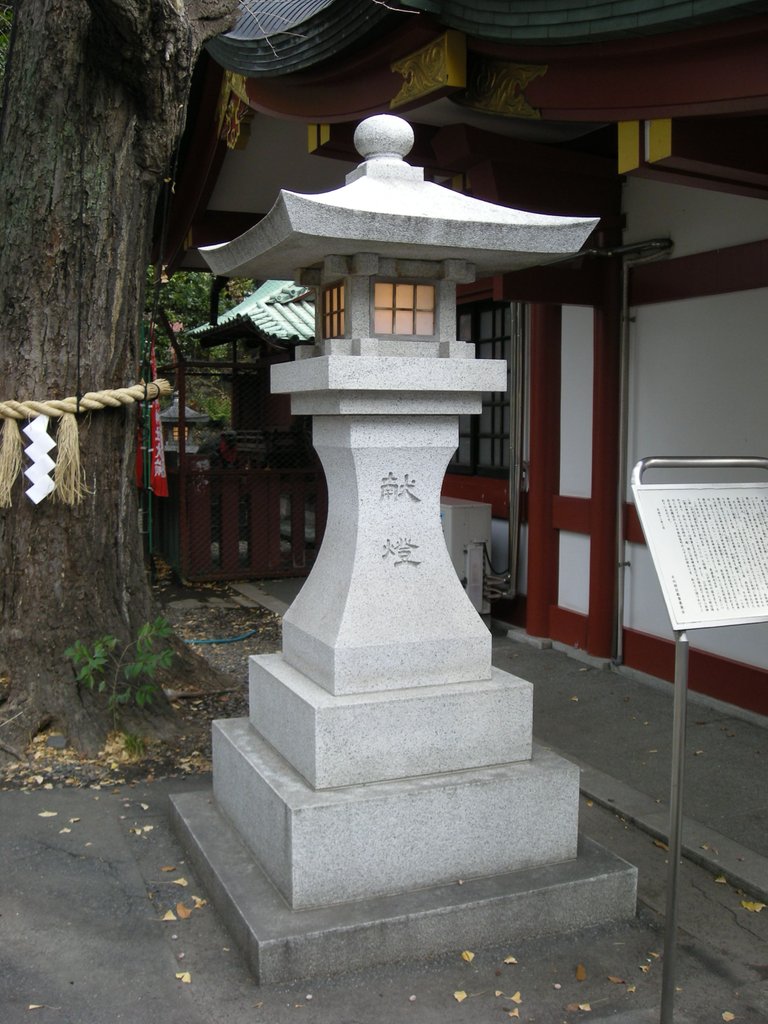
<point>172,414</point>
<point>387,208</point>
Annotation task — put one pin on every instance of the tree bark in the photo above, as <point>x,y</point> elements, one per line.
<point>96,99</point>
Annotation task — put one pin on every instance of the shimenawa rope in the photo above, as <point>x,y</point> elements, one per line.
<point>70,488</point>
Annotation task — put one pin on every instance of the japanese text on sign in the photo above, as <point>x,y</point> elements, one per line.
<point>710,548</point>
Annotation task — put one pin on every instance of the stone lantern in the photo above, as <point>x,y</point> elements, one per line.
<point>384,756</point>
<point>176,425</point>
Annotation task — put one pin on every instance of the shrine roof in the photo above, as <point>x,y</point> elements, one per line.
<point>387,208</point>
<point>284,36</point>
<point>277,311</point>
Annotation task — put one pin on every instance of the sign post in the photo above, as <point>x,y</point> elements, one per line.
<point>709,545</point>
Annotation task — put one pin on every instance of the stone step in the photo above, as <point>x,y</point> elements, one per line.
<point>279,944</point>
<point>372,737</point>
<point>334,845</point>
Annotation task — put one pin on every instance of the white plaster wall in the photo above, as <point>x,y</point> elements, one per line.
<point>698,373</point>
<point>576,448</point>
<point>696,219</point>
<point>573,584</point>
<point>576,402</point>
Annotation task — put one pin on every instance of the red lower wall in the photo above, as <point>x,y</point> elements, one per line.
<point>727,680</point>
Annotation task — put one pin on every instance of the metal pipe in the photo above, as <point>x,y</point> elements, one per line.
<point>697,462</point>
<point>646,252</point>
<point>675,826</point>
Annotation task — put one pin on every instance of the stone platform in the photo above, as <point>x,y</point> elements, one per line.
<point>280,944</point>
<point>373,737</point>
<point>321,847</point>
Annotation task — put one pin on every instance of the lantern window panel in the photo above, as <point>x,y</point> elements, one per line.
<point>404,308</point>
<point>333,311</point>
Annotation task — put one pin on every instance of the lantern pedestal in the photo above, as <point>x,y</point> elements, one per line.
<point>385,760</point>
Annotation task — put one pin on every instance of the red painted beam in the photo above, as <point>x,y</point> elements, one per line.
<point>490,490</point>
<point>544,481</point>
<point>571,514</point>
<point>605,464</point>
<point>712,70</point>
<point>734,269</point>
<point>200,165</point>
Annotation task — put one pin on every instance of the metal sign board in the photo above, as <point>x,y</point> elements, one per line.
<point>709,545</point>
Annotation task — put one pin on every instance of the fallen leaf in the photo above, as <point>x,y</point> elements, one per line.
<point>183,912</point>
<point>729,1016</point>
<point>513,1013</point>
<point>721,880</point>
<point>468,955</point>
<point>73,820</point>
<point>148,828</point>
<point>510,960</point>
<point>169,916</point>
<point>35,1006</point>
<point>644,968</point>
<point>575,700</point>
<point>753,906</point>
<point>184,976</point>
<point>168,867</point>
<point>516,998</point>
<point>180,881</point>
<point>460,996</point>
<point>199,902</point>
<point>654,955</point>
<point>581,972</point>
<point>585,1007</point>
<point>47,814</point>
<point>661,845</point>
<point>615,980</point>
<point>631,988</point>
<point>498,993</point>
<point>62,831</point>
<point>144,807</point>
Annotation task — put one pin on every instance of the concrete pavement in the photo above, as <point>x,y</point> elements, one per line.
<point>87,877</point>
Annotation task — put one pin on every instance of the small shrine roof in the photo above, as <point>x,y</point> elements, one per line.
<point>277,311</point>
<point>387,208</point>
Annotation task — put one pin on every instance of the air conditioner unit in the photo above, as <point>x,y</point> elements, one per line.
<point>467,531</point>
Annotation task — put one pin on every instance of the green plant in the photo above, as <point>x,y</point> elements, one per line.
<point>133,745</point>
<point>103,668</point>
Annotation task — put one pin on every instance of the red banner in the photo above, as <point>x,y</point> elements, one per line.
<point>158,478</point>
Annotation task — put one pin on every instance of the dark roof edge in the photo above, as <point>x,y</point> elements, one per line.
<point>530,23</point>
<point>337,27</point>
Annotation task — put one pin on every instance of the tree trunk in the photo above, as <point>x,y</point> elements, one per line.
<point>96,98</point>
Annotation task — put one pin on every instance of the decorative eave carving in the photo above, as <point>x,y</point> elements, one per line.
<point>439,66</point>
<point>234,111</point>
<point>498,87</point>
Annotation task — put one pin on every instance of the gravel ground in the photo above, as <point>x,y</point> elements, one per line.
<point>207,612</point>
